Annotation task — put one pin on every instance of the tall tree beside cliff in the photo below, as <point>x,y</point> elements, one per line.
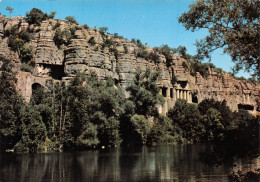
<point>144,93</point>
<point>232,25</point>
<point>10,107</point>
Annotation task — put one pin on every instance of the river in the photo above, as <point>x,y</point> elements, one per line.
<point>159,163</point>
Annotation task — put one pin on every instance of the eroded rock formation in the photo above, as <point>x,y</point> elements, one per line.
<point>87,51</point>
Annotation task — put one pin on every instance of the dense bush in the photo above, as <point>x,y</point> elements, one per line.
<point>115,51</point>
<point>36,16</point>
<point>107,42</point>
<point>71,19</point>
<point>57,25</point>
<point>187,117</point>
<point>142,53</point>
<point>142,102</point>
<point>26,67</point>
<point>213,121</point>
<point>141,127</point>
<point>103,30</point>
<point>85,26</point>
<point>162,131</point>
<point>12,31</point>
<point>26,54</point>
<point>118,36</point>
<point>153,56</point>
<point>17,41</point>
<point>63,37</point>
<point>166,51</point>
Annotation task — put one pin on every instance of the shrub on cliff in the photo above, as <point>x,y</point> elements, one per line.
<point>103,30</point>
<point>71,19</point>
<point>166,51</point>
<point>107,42</point>
<point>85,26</point>
<point>26,54</point>
<point>153,56</point>
<point>16,39</point>
<point>63,37</point>
<point>142,53</point>
<point>36,16</point>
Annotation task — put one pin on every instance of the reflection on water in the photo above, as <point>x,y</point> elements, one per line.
<point>161,163</point>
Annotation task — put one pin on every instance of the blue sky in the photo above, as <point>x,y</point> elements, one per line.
<point>154,22</point>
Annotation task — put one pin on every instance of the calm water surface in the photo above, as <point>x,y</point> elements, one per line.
<point>160,163</point>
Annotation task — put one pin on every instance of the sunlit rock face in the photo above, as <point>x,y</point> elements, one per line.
<point>105,55</point>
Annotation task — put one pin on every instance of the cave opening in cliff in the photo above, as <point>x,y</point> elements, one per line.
<point>55,71</point>
<point>116,81</point>
<point>164,91</point>
<point>245,107</point>
<point>37,93</point>
<point>171,92</point>
<point>194,98</point>
<point>183,84</point>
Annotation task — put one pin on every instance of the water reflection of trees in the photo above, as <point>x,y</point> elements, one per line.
<point>161,163</point>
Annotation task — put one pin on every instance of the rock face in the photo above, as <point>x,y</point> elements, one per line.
<point>89,51</point>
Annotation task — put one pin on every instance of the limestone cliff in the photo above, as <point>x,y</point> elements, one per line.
<point>88,50</point>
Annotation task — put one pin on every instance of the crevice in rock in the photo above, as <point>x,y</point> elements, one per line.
<point>246,107</point>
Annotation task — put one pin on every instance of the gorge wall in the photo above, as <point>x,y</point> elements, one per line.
<point>91,51</point>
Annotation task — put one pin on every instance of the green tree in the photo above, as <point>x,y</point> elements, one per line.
<point>62,37</point>
<point>10,107</point>
<point>187,117</point>
<point>141,127</point>
<point>52,104</point>
<point>10,9</point>
<point>71,19</point>
<point>33,131</point>
<point>103,30</point>
<point>214,129</point>
<point>166,51</point>
<point>182,51</point>
<point>85,26</point>
<point>232,25</point>
<point>52,15</point>
<point>226,118</point>
<point>94,110</point>
<point>161,131</point>
<point>144,93</point>
<point>35,16</point>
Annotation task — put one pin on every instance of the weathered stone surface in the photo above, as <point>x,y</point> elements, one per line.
<point>120,62</point>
